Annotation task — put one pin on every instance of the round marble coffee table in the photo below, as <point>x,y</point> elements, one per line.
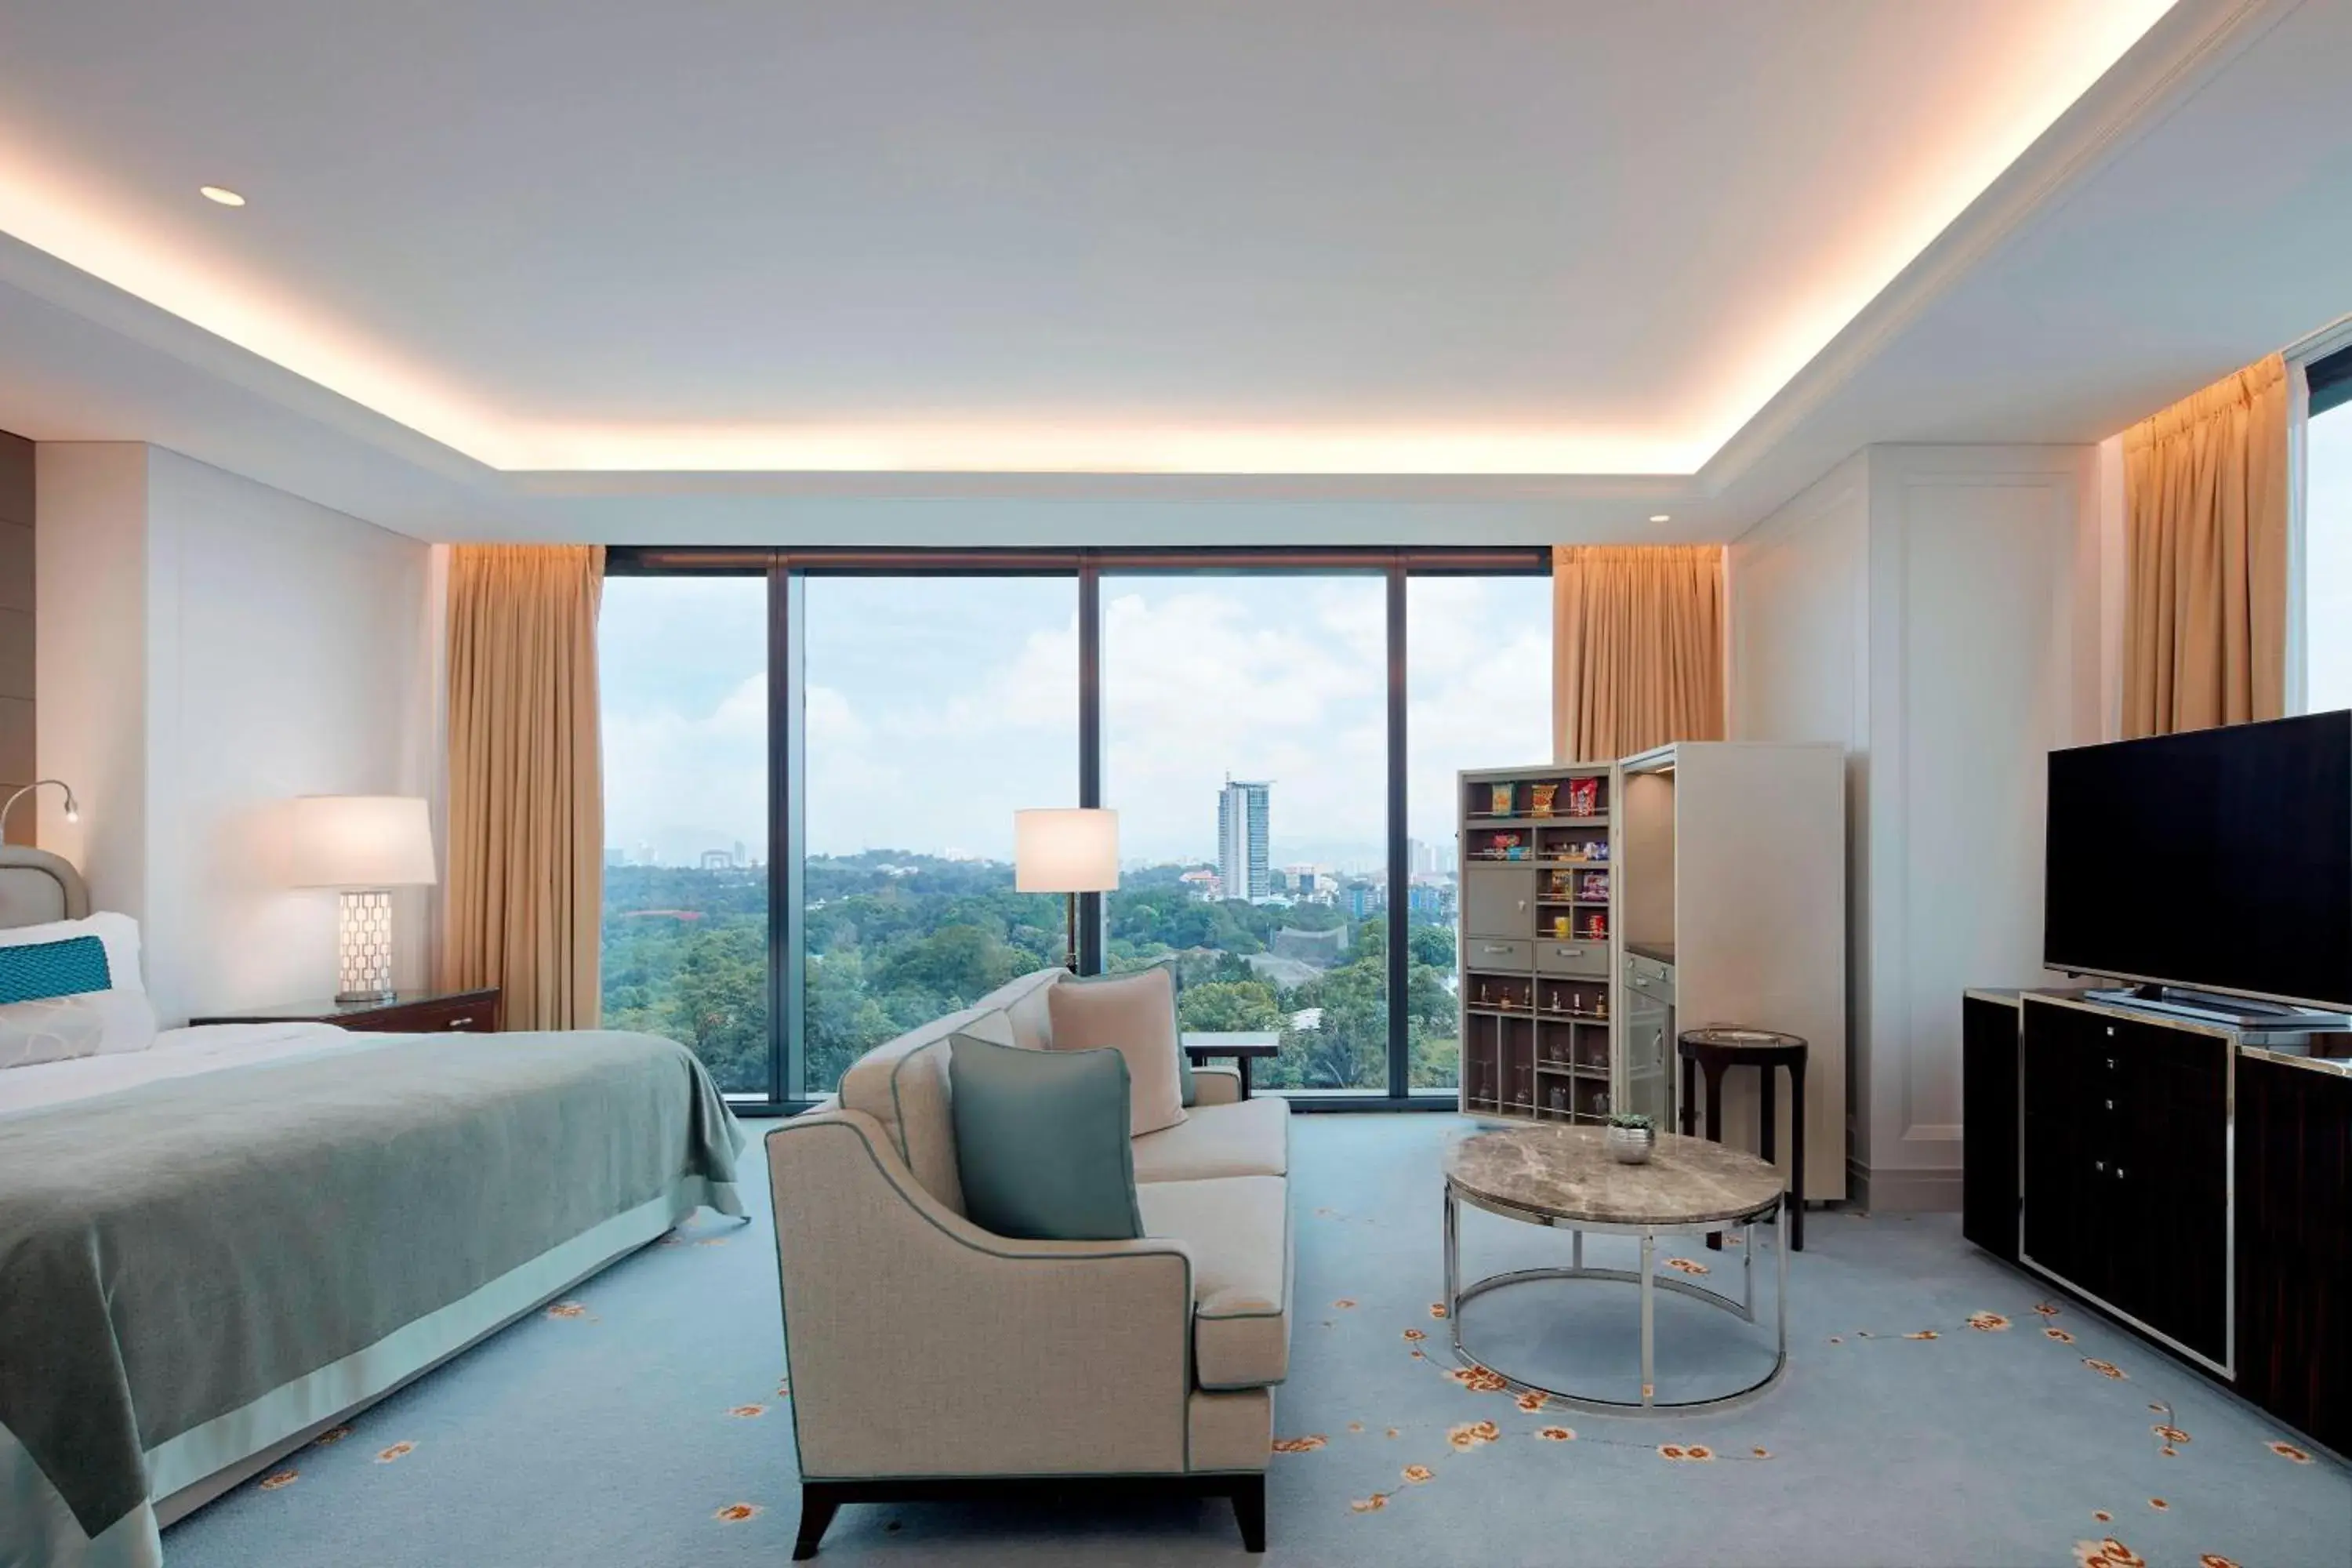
<point>1564,1177</point>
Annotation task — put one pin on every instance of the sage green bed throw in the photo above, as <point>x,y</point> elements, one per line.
<point>173,1253</point>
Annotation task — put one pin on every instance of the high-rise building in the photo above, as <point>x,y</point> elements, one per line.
<point>1242,839</point>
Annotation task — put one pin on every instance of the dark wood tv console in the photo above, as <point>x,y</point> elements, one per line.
<point>2191,1180</point>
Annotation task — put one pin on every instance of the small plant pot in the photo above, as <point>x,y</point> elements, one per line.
<point>1632,1145</point>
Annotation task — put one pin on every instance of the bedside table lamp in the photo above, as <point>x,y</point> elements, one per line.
<point>1068,851</point>
<point>364,845</point>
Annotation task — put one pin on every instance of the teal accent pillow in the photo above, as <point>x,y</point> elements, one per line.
<point>1190,1095</point>
<point>38,971</point>
<point>1042,1145</point>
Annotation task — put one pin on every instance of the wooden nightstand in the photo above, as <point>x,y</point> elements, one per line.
<point>410,1012</point>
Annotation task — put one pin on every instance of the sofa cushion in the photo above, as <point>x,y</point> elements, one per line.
<point>1135,1014</point>
<point>1249,1138</point>
<point>1023,1001</point>
<point>904,1086</point>
<point>1238,1231</point>
<point>1042,1148</point>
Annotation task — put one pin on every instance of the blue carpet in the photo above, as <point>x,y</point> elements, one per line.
<point>623,1428</point>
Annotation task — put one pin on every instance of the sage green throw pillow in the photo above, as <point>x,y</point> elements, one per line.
<point>1042,1145</point>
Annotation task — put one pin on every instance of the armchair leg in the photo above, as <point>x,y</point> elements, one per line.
<point>1249,1512</point>
<point>819,1502</point>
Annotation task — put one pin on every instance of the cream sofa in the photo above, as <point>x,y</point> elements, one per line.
<point>932,1359</point>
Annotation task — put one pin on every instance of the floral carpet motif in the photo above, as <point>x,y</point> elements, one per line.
<point>2104,1552</point>
<point>1939,1409</point>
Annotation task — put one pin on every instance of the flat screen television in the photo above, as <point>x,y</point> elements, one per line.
<point>2218,860</point>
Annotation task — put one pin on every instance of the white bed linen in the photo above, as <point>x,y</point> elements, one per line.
<point>177,1053</point>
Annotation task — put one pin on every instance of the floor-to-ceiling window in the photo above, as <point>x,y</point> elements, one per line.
<point>935,708</point>
<point>1244,746</point>
<point>1478,689</point>
<point>2327,535</point>
<point>1267,725</point>
<point>683,670</point>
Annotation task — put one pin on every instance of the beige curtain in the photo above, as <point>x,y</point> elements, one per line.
<point>2205,504</point>
<point>526,785</point>
<point>1637,648</point>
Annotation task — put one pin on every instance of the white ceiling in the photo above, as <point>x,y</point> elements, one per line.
<point>1352,271</point>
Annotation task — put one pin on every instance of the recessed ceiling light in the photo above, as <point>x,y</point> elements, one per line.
<point>1661,517</point>
<point>222,194</point>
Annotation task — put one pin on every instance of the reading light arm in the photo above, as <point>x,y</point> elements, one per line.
<point>73,807</point>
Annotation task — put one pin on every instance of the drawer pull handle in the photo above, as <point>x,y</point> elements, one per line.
<point>2111,1105</point>
<point>2119,1173</point>
<point>2098,1165</point>
<point>2111,1035</point>
<point>461,1023</point>
<point>2111,1063</point>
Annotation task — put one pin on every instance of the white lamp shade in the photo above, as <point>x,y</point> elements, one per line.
<point>1066,851</point>
<point>363,841</point>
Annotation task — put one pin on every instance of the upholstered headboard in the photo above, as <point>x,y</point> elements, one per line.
<point>36,887</point>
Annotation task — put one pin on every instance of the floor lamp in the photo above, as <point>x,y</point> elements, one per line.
<point>1069,851</point>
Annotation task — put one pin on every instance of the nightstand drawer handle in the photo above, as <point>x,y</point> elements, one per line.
<point>461,1023</point>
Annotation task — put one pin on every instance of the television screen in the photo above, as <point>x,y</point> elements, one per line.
<point>2220,860</point>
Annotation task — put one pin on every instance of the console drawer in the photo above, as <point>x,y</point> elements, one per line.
<point>1587,957</point>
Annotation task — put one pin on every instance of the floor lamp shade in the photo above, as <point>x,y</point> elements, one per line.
<point>1069,850</point>
<point>365,846</point>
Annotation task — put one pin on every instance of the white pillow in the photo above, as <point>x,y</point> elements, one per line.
<point>61,1028</point>
<point>119,933</point>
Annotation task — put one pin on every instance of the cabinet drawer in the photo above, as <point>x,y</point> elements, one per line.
<point>1572,957</point>
<point>1493,953</point>
<point>473,1017</point>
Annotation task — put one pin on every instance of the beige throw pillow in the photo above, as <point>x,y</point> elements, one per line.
<point>1136,1016</point>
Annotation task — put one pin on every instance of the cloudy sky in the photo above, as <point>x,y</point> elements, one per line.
<point>938,707</point>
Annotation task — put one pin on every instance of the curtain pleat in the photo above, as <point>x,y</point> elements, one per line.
<point>2205,502</point>
<point>1637,648</point>
<point>526,783</point>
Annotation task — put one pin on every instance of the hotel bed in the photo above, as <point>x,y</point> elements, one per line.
<point>217,1246</point>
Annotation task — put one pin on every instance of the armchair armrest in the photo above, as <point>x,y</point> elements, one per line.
<point>918,1343</point>
<point>1217,1085</point>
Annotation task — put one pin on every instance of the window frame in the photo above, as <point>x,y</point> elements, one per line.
<point>788,570</point>
<point>2330,347</point>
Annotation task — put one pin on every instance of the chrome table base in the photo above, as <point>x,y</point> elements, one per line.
<point>1647,1277</point>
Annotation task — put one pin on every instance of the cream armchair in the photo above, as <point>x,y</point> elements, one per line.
<point>932,1359</point>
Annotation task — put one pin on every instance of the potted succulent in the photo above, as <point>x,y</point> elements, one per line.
<point>1631,1138</point>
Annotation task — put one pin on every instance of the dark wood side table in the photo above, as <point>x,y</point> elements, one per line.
<point>1718,1047</point>
<point>410,1012</point>
<point>1244,1046</point>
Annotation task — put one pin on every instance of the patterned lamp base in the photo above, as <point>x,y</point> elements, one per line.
<point>364,949</point>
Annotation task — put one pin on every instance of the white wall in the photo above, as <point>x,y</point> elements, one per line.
<point>276,648</point>
<point>1798,647</point>
<point>1939,609</point>
<point>90,631</point>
